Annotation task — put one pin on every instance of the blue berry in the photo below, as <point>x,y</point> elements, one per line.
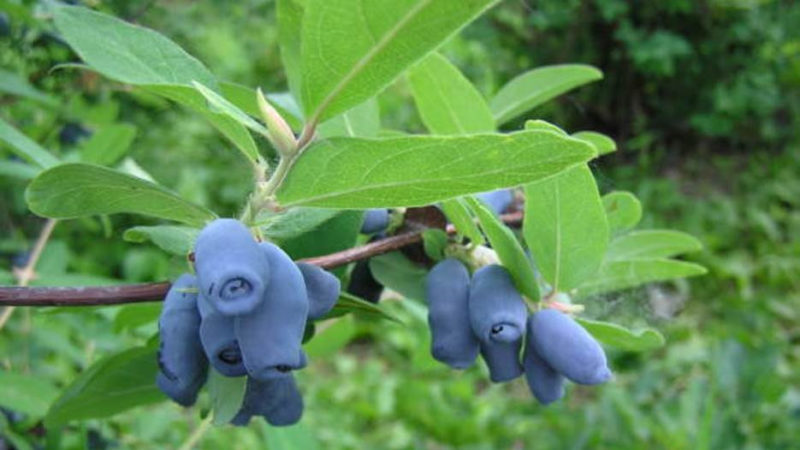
<point>545,383</point>
<point>278,400</point>
<point>447,293</point>
<point>323,289</point>
<point>499,201</point>
<point>375,221</point>
<point>219,340</point>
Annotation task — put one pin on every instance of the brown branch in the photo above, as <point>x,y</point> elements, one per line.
<point>155,292</point>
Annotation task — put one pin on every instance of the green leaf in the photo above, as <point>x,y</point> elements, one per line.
<point>296,222</point>
<point>338,233</point>
<point>27,394</point>
<point>565,227</point>
<point>127,53</point>
<point>13,84</point>
<point>348,303</point>
<point>330,339</point>
<point>352,49</point>
<point>420,170</point>
<point>130,317</point>
<point>543,125</point>
<point>618,275</point>
<point>222,105</point>
<point>245,99</point>
<point>114,384</point>
<point>434,242</point>
<point>227,394</point>
<point>16,169</point>
<point>601,142</point>
<point>174,239</point>
<point>77,190</point>
<point>397,273</point>
<point>652,244</point>
<point>537,86</point>
<point>290,24</point>
<point>108,144</point>
<point>297,436</point>
<point>459,215</point>
<point>508,249</point>
<point>361,121</point>
<point>623,210</point>
<point>447,102</point>
<point>622,338</point>
<point>24,147</point>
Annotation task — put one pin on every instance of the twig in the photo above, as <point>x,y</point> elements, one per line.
<point>154,292</point>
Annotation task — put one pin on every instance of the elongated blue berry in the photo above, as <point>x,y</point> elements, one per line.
<point>182,364</point>
<point>375,221</point>
<point>232,271</point>
<point>568,347</point>
<point>278,400</point>
<point>497,315</point>
<point>499,200</point>
<point>447,293</point>
<point>219,340</point>
<point>323,289</point>
<point>270,336</point>
<point>545,383</point>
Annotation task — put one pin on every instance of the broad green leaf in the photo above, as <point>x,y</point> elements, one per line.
<point>651,244</point>
<point>537,86</point>
<point>601,142</point>
<point>618,275</point>
<point>227,394</point>
<point>434,242</point>
<point>420,170</point>
<point>338,233</point>
<point>114,384</point>
<point>108,144</point>
<point>290,24</point>
<point>245,99</point>
<point>331,338</point>
<point>16,169</point>
<point>459,215</point>
<point>361,121</point>
<point>174,239</point>
<point>397,273</point>
<point>543,125</point>
<point>351,49</point>
<point>133,316</point>
<point>508,248</point>
<point>447,102</point>
<point>565,227</point>
<point>75,190</point>
<point>27,394</point>
<point>24,147</point>
<point>13,84</point>
<point>295,222</point>
<point>348,303</point>
<point>622,338</point>
<point>221,104</point>
<point>623,210</point>
<point>127,53</point>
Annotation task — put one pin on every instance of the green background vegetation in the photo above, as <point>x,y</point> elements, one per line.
<point>703,100</point>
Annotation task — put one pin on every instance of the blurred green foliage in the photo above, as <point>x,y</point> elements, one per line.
<point>702,98</point>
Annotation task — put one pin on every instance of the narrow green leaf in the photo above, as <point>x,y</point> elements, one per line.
<point>623,210</point>
<point>126,52</point>
<point>221,104</point>
<point>108,144</point>
<point>459,215</point>
<point>174,239</point>
<point>348,304</point>
<point>227,394</point>
<point>565,227</point>
<point>112,385</point>
<point>537,86</point>
<point>296,222</point>
<point>434,242</point>
<point>19,170</point>
<point>290,23</point>
<point>508,248</point>
<point>26,394</point>
<point>543,125</point>
<point>397,273</point>
<point>352,49</point>
<point>622,338</point>
<point>13,84</point>
<point>601,142</point>
<point>24,147</point>
<point>447,102</point>
<point>361,121</point>
<point>420,170</point>
<point>652,244</point>
<point>618,275</point>
<point>75,190</point>
<point>245,99</point>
